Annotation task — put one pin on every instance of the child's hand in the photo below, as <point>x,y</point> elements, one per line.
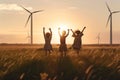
<point>44,28</point>
<point>50,29</point>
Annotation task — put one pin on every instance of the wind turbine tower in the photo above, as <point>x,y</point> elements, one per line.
<point>98,37</point>
<point>31,17</point>
<point>110,20</point>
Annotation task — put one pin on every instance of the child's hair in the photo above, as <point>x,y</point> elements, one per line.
<point>77,31</point>
<point>63,32</point>
<point>47,34</point>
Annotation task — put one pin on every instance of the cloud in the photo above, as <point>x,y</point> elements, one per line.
<point>12,7</point>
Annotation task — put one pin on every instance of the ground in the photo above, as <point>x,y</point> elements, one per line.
<point>26,62</point>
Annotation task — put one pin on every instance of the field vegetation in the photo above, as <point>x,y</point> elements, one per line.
<point>100,63</point>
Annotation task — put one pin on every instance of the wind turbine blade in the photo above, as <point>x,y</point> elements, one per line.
<point>108,20</point>
<point>108,7</point>
<point>116,12</point>
<point>25,9</point>
<point>38,11</point>
<point>27,20</point>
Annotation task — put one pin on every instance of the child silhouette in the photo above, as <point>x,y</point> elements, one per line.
<point>77,39</point>
<point>47,37</point>
<point>63,46</point>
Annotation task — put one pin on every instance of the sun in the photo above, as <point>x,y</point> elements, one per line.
<point>55,31</point>
<point>63,27</point>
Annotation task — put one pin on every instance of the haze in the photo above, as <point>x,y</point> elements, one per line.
<point>75,14</point>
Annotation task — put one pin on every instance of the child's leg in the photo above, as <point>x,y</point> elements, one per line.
<point>62,53</point>
<point>65,53</point>
<point>49,52</point>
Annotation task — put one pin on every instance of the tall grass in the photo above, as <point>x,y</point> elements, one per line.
<point>32,64</point>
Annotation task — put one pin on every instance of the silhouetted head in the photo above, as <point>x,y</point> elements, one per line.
<point>47,34</point>
<point>77,32</point>
<point>63,32</point>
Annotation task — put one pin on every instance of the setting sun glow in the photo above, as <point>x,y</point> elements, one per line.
<point>63,14</point>
<point>63,27</point>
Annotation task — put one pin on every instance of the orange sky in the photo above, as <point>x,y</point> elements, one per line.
<point>75,14</point>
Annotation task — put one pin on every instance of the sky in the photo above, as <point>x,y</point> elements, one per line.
<point>71,14</point>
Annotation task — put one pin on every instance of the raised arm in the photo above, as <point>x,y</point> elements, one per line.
<point>44,31</point>
<point>50,31</point>
<point>83,29</point>
<point>59,31</point>
<point>73,33</point>
<point>67,33</point>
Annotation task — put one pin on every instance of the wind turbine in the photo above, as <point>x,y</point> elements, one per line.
<point>98,37</point>
<point>28,37</point>
<point>31,17</point>
<point>110,20</point>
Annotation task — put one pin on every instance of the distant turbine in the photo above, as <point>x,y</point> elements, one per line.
<point>28,37</point>
<point>110,19</point>
<point>98,37</point>
<point>31,16</point>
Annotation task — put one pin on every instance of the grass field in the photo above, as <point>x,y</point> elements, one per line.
<point>25,62</point>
